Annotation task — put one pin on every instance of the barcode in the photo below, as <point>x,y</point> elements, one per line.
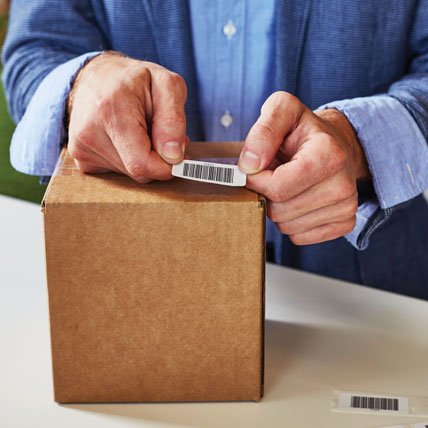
<point>208,172</point>
<point>374,403</point>
<point>365,402</point>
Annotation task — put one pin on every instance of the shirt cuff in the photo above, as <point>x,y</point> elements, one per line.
<point>396,153</point>
<point>37,139</point>
<point>365,214</point>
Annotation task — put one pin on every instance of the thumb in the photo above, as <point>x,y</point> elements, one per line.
<point>169,121</point>
<point>278,117</point>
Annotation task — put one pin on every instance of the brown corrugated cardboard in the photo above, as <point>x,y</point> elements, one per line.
<point>156,292</point>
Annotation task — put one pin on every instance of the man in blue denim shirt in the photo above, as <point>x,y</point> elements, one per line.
<point>339,147</point>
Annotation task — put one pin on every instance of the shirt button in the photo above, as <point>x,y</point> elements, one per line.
<point>229,29</point>
<point>226,120</point>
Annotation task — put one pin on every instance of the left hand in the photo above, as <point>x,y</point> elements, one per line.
<point>307,165</point>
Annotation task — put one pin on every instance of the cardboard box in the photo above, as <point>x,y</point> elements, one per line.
<point>156,291</point>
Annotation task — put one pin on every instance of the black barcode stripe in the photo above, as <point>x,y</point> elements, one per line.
<point>208,172</point>
<point>374,403</point>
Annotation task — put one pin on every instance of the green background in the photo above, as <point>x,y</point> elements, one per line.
<point>13,183</point>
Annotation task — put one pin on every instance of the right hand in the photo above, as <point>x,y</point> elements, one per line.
<point>127,116</point>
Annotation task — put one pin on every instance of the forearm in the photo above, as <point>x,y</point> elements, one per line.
<point>41,36</point>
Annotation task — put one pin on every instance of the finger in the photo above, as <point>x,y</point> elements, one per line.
<point>335,190</point>
<point>96,154</point>
<point>87,168</point>
<point>331,214</point>
<point>323,233</point>
<point>312,164</point>
<point>90,162</point>
<point>279,115</point>
<point>95,161</point>
<point>95,148</point>
<point>127,129</point>
<point>168,132</point>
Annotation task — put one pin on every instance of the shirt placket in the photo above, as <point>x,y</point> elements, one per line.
<point>227,94</point>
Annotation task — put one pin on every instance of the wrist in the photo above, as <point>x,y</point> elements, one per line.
<point>349,137</point>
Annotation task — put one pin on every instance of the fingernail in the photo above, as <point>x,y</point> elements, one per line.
<point>172,150</point>
<point>249,162</point>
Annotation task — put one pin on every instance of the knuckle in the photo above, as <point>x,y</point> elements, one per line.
<point>273,211</point>
<point>79,155</point>
<point>263,132</point>
<point>173,82</point>
<point>354,202</point>
<point>105,108</point>
<point>172,118</point>
<point>83,167</point>
<point>350,224</point>
<point>143,180</point>
<point>282,228</point>
<point>277,104</point>
<point>176,80</point>
<point>297,239</point>
<point>277,194</point>
<point>135,76</point>
<point>337,158</point>
<point>346,189</point>
<point>307,166</point>
<point>334,156</point>
<point>85,138</point>
<point>77,152</point>
<point>282,97</point>
<point>287,227</point>
<point>351,207</point>
<point>135,169</point>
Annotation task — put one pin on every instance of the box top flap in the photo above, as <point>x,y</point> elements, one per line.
<point>69,185</point>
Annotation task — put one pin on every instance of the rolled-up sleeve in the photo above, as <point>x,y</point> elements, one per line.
<point>397,156</point>
<point>393,130</point>
<point>38,137</point>
<point>46,44</point>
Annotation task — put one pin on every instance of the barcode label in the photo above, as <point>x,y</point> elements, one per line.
<point>356,402</point>
<point>374,403</point>
<point>209,172</point>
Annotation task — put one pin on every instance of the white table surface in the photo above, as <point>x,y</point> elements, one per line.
<point>321,335</point>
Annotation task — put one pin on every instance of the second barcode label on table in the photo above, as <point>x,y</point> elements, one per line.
<point>374,403</point>
<point>369,403</point>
